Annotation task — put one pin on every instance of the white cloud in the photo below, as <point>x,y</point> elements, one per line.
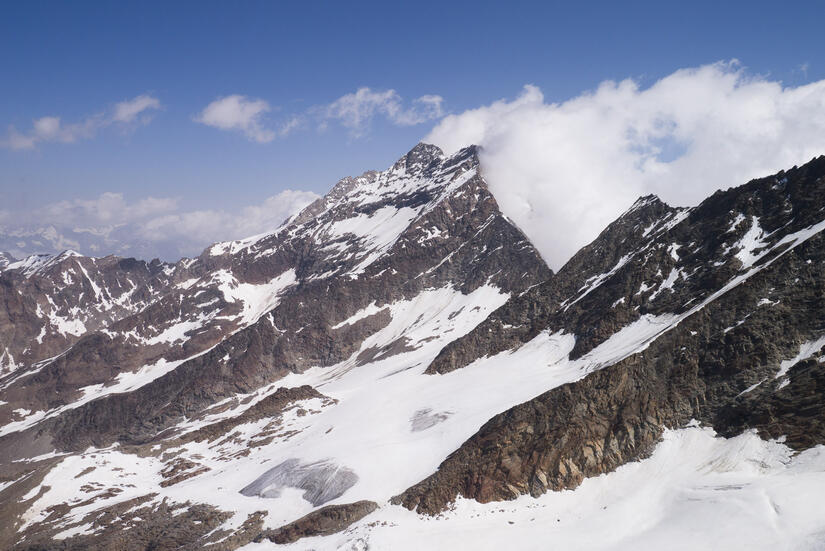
<point>52,128</point>
<point>294,122</point>
<point>353,111</point>
<point>193,230</point>
<point>425,108</point>
<point>563,171</point>
<point>108,209</point>
<point>18,141</point>
<point>238,113</point>
<point>146,228</point>
<point>356,111</point>
<point>129,110</point>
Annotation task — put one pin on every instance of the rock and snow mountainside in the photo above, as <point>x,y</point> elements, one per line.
<point>5,259</point>
<point>49,302</point>
<point>396,367</point>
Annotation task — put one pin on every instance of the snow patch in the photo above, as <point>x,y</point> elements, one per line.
<point>366,312</point>
<point>806,351</point>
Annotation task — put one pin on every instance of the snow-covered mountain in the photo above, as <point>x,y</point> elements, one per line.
<point>396,367</point>
<point>5,259</point>
<point>51,301</point>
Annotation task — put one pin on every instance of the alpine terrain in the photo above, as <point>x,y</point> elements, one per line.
<point>396,367</point>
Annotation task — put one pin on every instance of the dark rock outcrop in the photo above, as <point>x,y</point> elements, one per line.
<point>323,522</point>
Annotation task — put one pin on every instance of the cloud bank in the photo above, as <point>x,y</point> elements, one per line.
<point>126,113</point>
<point>354,112</point>
<point>563,171</point>
<point>146,228</point>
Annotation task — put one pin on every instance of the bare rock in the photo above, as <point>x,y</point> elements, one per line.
<point>323,522</point>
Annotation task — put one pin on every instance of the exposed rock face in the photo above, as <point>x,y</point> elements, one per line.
<point>654,259</point>
<point>323,522</point>
<point>137,526</point>
<point>271,406</point>
<point>528,313</point>
<point>731,359</point>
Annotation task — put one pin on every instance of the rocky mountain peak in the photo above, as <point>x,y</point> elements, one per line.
<point>38,263</point>
<point>318,292</point>
<point>412,171</point>
<point>419,158</point>
<point>644,202</point>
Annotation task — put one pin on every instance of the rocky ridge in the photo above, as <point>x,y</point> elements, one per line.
<point>738,283</point>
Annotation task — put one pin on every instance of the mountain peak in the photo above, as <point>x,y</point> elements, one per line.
<point>419,158</point>
<point>645,201</point>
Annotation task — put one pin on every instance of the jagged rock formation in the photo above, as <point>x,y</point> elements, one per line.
<point>527,314</point>
<point>399,340</point>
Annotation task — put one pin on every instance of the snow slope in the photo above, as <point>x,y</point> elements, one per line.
<point>391,426</point>
<point>376,424</point>
<point>697,491</point>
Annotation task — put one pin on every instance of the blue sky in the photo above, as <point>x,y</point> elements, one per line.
<point>77,61</point>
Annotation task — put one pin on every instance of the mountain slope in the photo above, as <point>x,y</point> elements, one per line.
<point>50,301</point>
<point>390,263</point>
<point>400,345</point>
<point>727,342</point>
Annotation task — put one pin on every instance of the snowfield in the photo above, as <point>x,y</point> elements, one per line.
<point>392,426</point>
<point>697,491</point>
